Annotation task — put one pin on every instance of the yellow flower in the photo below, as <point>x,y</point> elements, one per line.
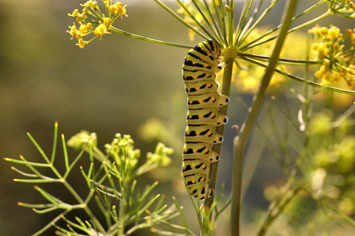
<point>352,36</point>
<point>121,10</point>
<point>113,9</point>
<point>107,21</point>
<point>75,13</point>
<point>334,32</point>
<point>72,31</point>
<point>80,17</point>
<point>101,30</point>
<point>84,28</point>
<point>324,31</point>
<point>87,4</point>
<point>81,139</point>
<point>85,9</point>
<point>78,35</point>
<point>81,43</point>
<point>118,8</point>
<point>322,50</point>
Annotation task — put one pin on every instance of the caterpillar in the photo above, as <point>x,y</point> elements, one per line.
<point>203,102</point>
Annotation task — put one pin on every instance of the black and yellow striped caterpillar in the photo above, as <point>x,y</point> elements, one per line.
<point>199,73</point>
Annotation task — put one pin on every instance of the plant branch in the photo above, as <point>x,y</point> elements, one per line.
<point>282,201</point>
<point>305,81</point>
<point>256,43</point>
<point>250,121</point>
<point>227,75</point>
<point>147,39</point>
<point>180,19</point>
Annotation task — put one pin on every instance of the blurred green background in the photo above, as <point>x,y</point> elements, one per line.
<point>113,85</point>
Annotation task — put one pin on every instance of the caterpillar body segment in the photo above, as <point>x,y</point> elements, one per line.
<point>206,100</point>
<point>194,62</point>
<point>190,182</point>
<point>193,76</point>
<point>191,65</point>
<point>201,168</point>
<point>202,151</point>
<point>202,133</point>
<point>208,116</point>
<point>203,102</point>
<point>205,52</point>
<point>208,48</point>
<point>203,190</point>
<point>201,87</point>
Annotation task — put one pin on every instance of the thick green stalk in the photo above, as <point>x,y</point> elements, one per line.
<point>227,76</point>
<point>250,121</point>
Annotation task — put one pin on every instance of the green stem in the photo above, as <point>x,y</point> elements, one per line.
<point>50,224</point>
<point>281,60</point>
<point>248,21</point>
<point>306,91</point>
<point>231,24</point>
<point>281,203</point>
<point>214,30</point>
<point>147,39</point>
<point>266,11</point>
<point>180,19</point>
<point>305,81</point>
<point>250,121</point>
<point>194,19</point>
<point>220,16</point>
<point>227,75</point>
<point>242,20</point>
<point>122,210</point>
<point>255,42</point>
<point>85,206</point>
<point>345,217</point>
<point>217,29</point>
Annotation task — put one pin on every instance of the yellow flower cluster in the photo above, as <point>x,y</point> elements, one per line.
<point>248,78</point>
<point>337,57</point>
<point>92,20</point>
